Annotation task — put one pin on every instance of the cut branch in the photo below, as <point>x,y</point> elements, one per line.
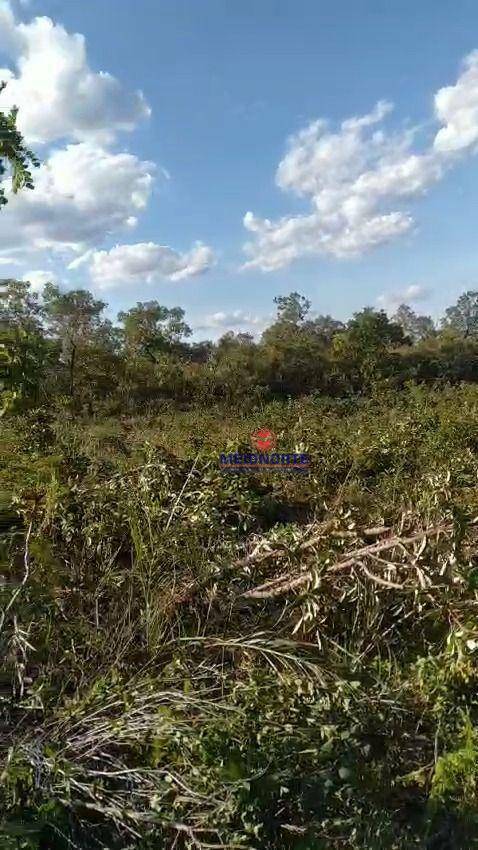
<point>286,582</point>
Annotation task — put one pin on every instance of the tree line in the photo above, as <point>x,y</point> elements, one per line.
<point>61,347</point>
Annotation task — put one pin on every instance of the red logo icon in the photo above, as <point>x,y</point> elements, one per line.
<point>263,440</point>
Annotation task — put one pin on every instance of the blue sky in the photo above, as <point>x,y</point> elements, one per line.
<point>337,213</point>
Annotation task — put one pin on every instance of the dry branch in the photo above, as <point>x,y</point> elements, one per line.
<point>286,582</point>
<point>326,528</point>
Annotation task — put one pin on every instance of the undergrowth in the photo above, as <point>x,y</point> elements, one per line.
<point>199,659</point>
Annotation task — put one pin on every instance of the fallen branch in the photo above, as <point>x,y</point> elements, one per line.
<point>326,528</point>
<point>379,580</point>
<point>286,582</point>
<point>256,556</point>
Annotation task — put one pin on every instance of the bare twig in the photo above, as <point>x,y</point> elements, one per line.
<point>173,509</point>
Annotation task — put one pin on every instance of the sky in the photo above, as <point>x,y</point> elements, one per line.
<point>216,154</point>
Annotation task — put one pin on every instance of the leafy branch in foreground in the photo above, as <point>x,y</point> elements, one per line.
<point>14,154</point>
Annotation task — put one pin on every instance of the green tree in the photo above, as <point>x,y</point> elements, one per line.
<point>292,308</point>
<point>15,158</point>
<point>463,316</point>
<point>23,348</point>
<point>325,327</point>
<point>372,330</point>
<point>74,319</point>
<point>360,352</point>
<point>416,327</point>
<point>293,349</point>
<point>150,329</point>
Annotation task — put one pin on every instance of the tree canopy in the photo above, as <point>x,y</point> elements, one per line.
<point>63,345</point>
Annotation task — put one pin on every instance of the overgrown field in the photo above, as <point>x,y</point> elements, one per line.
<point>200,659</point>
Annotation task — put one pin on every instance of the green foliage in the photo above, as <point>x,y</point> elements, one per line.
<point>292,309</point>
<point>195,659</point>
<point>415,327</point>
<point>148,701</point>
<point>23,347</point>
<point>74,320</point>
<point>149,328</point>
<point>14,155</point>
<point>463,316</point>
<point>70,350</point>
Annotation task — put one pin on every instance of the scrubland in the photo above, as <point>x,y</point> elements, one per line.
<point>200,659</point>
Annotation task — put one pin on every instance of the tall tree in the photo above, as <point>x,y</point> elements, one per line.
<point>360,352</point>
<point>293,348</point>
<point>23,347</point>
<point>292,308</point>
<point>150,329</point>
<point>372,330</point>
<point>15,158</point>
<point>414,326</point>
<point>324,326</point>
<point>463,316</point>
<point>74,319</point>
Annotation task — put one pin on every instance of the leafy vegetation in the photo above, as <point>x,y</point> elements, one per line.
<point>62,346</point>
<point>201,659</point>
<point>16,159</point>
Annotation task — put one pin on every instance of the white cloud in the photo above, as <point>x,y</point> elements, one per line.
<point>413,293</point>
<point>233,319</point>
<point>350,178</point>
<point>456,108</point>
<point>216,324</point>
<point>38,278</point>
<point>82,194</point>
<point>144,262</point>
<point>58,94</point>
<point>357,178</point>
<point>8,261</point>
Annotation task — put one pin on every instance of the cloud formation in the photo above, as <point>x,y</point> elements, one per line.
<point>86,191</point>
<point>58,95</point>
<point>82,194</point>
<point>456,107</point>
<point>218,323</point>
<point>413,293</point>
<point>144,262</point>
<point>233,319</point>
<point>357,178</point>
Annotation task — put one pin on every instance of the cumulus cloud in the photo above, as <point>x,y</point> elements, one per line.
<point>58,94</point>
<point>216,324</point>
<point>86,191</point>
<point>456,107</point>
<point>233,319</point>
<point>413,293</point>
<point>144,262</point>
<point>356,179</point>
<point>82,194</point>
